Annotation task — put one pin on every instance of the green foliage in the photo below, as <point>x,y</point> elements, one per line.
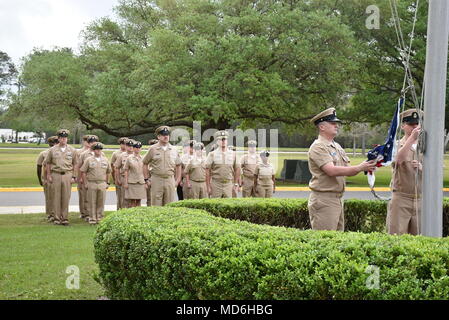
<point>360,215</point>
<point>8,72</point>
<point>181,253</point>
<point>226,62</point>
<point>215,61</point>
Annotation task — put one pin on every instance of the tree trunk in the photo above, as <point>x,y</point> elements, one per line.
<point>446,140</point>
<point>363,145</point>
<point>353,145</point>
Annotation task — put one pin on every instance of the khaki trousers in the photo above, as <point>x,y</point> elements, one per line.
<point>149,196</point>
<point>264,191</point>
<point>123,201</point>
<point>96,195</point>
<point>326,211</point>
<point>186,191</point>
<point>82,201</point>
<point>163,190</point>
<point>118,194</point>
<point>61,188</point>
<point>221,189</point>
<point>248,187</point>
<point>404,213</point>
<point>199,189</point>
<point>48,201</point>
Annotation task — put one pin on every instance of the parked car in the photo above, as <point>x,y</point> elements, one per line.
<point>36,140</point>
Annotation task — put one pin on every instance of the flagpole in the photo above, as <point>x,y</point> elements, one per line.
<point>434,108</point>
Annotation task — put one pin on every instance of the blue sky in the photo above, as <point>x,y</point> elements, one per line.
<point>25,24</point>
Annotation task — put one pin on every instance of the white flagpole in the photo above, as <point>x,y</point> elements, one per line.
<point>434,107</point>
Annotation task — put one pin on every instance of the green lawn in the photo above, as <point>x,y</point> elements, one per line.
<point>18,169</point>
<point>34,257</point>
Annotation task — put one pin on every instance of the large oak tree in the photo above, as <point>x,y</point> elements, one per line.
<point>173,62</point>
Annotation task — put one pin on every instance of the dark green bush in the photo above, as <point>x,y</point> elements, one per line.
<point>360,215</point>
<point>181,253</point>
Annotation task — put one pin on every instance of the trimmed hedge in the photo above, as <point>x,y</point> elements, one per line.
<point>360,215</point>
<point>181,253</point>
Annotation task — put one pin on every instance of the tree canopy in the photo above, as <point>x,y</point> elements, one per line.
<point>8,73</point>
<point>224,61</point>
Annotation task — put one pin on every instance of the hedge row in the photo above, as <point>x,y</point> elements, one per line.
<point>360,215</point>
<point>181,253</point>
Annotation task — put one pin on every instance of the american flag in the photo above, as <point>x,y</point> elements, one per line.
<point>385,153</point>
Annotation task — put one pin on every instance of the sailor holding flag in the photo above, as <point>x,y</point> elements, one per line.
<point>329,165</point>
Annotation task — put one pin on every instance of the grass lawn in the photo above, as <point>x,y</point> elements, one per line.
<point>34,256</point>
<point>18,169</point>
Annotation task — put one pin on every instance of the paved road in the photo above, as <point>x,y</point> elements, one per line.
<point>33,202</point>
<point>13,199</point>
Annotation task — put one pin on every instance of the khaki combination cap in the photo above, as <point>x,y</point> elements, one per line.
<point>189,143</point>
<point>265,154</point>
<point>63,133</point>
<point>198,146</point>
<point>411,116</point>
<point>92,138</point>
<point>163,130</point>
<point>153,141</point>
<point>53,139</point>
<point>122,140</point>
<point>130,142</point>
<point>85,137</point>
<point>220,135</point>
<point>328,115</point>
<point>252,143</point>
<point>137,144</point>
<point>97,146</point>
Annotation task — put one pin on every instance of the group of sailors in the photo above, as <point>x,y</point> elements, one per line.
<point>156,176</point>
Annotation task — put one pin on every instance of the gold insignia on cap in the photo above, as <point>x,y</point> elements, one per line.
<point>63,133</point>
<point>221,134</point>
<point>327,115</point>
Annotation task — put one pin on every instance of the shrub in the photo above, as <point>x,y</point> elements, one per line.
<point>360,215</point>
<point>181,253</point>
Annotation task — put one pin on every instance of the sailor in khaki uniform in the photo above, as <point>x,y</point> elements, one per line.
<point>119,171</point>
<point>148,168</point>
<point>61,162</point>
<point>42,176</point>
<point>91,140</point>
<point>249,163</point>
<point>165,163</point>
<point>195,172</point>
<point>118,189</point>
<point>264,177</point>
<point>134,182</point>
<point>329,165</point>
<point>185,159</point>
<point>81,191</point>
<point>222,168</point>
<point>95,171</point>
<point>404,208</point>
<point>235,191</point>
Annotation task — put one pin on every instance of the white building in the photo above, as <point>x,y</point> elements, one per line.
<point>9,135</point>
